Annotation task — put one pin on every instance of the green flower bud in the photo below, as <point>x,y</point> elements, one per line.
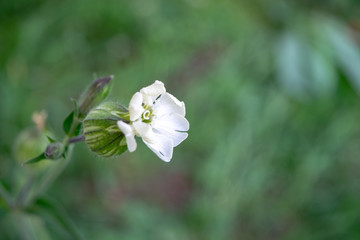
<point>54,150</point>
<point>102,135</point>
<point>94,95</point>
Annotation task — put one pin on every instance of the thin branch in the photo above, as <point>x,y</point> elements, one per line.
<point>76,139</point>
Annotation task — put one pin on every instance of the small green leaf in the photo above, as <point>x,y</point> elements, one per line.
<point>51,140</point>
<point>76,107</point>
<point>77,130</point>
<point>68,122</point>
<point>36,159</point>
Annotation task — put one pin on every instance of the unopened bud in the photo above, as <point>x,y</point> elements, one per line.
<point>102,134</point>
<point>54,150</point>
<point>94,95</point>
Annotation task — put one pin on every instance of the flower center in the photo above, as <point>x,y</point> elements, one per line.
<point>147,115</point>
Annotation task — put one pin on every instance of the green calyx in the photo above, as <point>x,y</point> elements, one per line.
<point>102,134</point>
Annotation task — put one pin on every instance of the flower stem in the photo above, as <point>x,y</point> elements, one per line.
<point>57,168</point>
<point>52,174</point>
<point>76,139</point>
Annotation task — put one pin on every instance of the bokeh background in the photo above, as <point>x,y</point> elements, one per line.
<point>272,95</point>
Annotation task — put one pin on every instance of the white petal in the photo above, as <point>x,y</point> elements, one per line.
<point>161,145</point>
<point>141,128</point>
<point>167,104</point>
<point>135,106</point>
<point>125,128</point>
<point>176,137</point>
<point>150,93</point>
<point>129,135</point>
<point>173,122</point>
<point>154,89</point>
<point>131,143</point>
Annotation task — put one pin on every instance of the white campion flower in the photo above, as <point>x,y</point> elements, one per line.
<point>158,118</point>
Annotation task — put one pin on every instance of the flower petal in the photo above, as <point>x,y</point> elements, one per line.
<point>168,104</point>
<point>154,89</point>
<point>135,106</point>
<point>141,128</point>
<point>129,135</point>
<point>176,137</point>
<point>150,93</point>
<point>160,144</point>
<point>174,122</point>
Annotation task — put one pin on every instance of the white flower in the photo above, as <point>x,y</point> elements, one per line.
<point>158,118</point>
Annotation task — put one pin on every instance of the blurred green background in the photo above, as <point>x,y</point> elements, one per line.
<point>272,96</point>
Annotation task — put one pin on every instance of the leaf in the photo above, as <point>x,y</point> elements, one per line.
<point>50,211</point>
<point>76,107</point>
<point>77,130</point>
<point>36,159</point>
<point>51,140</point>
<point>68,122</point>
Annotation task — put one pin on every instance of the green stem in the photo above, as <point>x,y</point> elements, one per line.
<point>52,174</point>
<point>57,167</point>
<point>25,191</point>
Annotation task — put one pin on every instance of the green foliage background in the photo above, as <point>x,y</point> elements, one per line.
<point>272,95</point>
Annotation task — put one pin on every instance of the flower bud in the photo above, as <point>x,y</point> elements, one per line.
<point>94,95</point>
<point>54,150</point>
<point>102,134</point>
